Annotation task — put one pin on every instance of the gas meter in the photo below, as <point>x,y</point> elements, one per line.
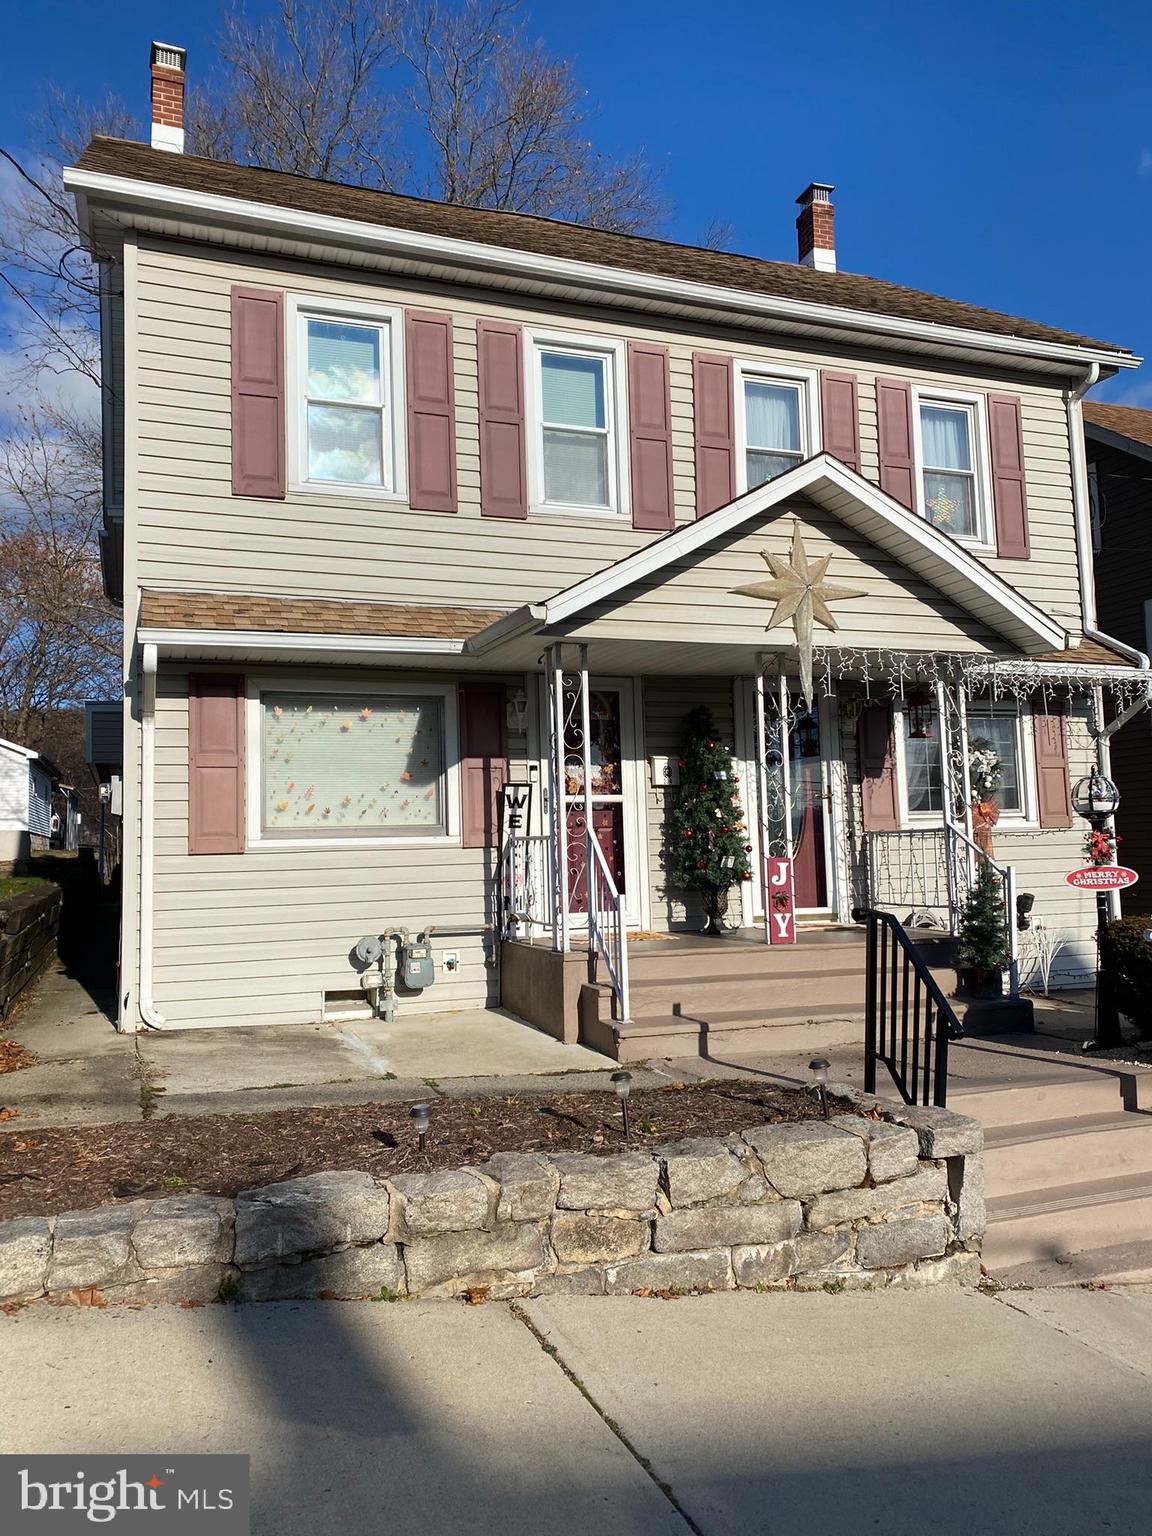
<point>416,966</point>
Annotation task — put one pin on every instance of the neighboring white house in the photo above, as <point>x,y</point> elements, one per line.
<point>25,802</point>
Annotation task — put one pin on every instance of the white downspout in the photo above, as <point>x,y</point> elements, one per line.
<point>148,1011</point>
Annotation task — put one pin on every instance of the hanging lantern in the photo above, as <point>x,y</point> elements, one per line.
<point>919,714</point>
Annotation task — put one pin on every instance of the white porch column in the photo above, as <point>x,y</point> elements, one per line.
<point>769,703</point>
<point>561,922</point>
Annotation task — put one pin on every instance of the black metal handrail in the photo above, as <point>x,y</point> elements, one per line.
<point>908,1021</point>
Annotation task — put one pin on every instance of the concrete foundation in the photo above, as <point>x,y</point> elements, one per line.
<point>543,987</point>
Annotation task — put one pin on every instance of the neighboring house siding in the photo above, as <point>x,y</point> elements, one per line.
<point>14,792</point>
<point>259,937</point>
<point>39,802</point>
<point>193,532</point>
<point>1123,589</point>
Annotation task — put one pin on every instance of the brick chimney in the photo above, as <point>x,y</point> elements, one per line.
<point>168,97</point>
<point>815,233</point>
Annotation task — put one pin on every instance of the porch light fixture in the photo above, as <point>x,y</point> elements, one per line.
<point>622,1082</point>
<point>919,715</point>
<point>1025,901</point>
<point>421,1117</point>
<point>1095,798</point>
<point>818,1067</point>
<point>517,711</point>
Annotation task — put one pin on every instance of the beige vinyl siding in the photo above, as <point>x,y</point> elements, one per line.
<point>666,703</point>
<point>895,609</point>
<point>261,936</point>
<point>194,533</point>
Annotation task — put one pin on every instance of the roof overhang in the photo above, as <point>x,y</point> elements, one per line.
<point>302,649</point>
<point>190,215</point>
<point>1119,440</point>
<point>945,565</point>
<point>15,748</point>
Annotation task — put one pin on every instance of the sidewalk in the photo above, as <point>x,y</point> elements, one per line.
<point>950,1413</point>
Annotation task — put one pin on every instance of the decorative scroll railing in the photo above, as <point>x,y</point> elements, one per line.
<point>607,928</point>
<point>526,888</point>
<point>926,875</point>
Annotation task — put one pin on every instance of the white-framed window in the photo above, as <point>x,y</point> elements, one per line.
<point>351,764</point>
<point>346,397</point>
<point>998,726</point>
<point>577,427</point>
<point>777,423</point>
<point>953,470</point>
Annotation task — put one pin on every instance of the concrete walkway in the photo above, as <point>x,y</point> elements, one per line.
<point>950,1413</point>
<point>87,1073</point>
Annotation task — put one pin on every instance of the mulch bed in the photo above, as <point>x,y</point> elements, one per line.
<point>14,1057</point>
<point>64,1169</point>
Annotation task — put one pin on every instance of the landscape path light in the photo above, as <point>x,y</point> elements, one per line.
<point>818,1067</point>
<point>622,1082</point>
<point>421,1117</point>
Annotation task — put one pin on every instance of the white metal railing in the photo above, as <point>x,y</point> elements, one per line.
<point>526,888</point>
<point>607,928</point>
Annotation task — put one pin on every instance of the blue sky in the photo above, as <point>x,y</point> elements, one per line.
<point>999,153</point>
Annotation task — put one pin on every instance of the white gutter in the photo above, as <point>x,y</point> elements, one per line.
<point>475,256</point>
<point>521,621</point>
<point>148,1010</point>
<point>278,640</point>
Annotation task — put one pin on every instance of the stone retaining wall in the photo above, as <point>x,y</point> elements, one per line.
<point>29,924</point>
<point>848,1204</point>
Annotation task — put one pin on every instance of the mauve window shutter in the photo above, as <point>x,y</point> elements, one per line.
<point>1009,499</point>
<point>483,762</point>
<point>840,417</point>
<point>877,747</point>
<point>428,371</point>
<point>215,763</point>
<point>1053,785</point>
<point>714,418</point>
<point>897,443</point>
<point>503,471</point>
<point>650,431</point>
<point>258,392</point>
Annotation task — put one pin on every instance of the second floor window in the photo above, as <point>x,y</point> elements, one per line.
<point>774,428</point>
<point>577,428</point>
<point>953,465</point>
<point>346,404</point>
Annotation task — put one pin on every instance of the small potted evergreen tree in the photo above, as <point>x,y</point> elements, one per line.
<point>706,847</point>
<point>984,936</point>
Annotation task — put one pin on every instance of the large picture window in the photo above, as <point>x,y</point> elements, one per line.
<point>340,765</point>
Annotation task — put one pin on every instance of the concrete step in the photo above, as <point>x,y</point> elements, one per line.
<point>1018,1158</point>
<point>1039,1099</point>
<point>706,995</point>
<point>1118,1264</point>
<point>719,958</point>
<point>1041,1225</point>
<point>722,1036</point>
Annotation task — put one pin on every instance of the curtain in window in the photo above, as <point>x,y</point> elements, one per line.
<point>575,468</point>
<point>945,438</point>
<point>348,764</point>
<point>773,417</point>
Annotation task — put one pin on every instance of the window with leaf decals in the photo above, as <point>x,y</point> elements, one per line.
<point>352,765</point>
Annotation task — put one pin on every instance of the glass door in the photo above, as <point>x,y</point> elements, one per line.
<point>606,743</point>
<point>805,789</point>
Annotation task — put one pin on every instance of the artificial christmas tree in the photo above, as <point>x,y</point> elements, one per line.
<point>706,840</point>
<point>984,932</point>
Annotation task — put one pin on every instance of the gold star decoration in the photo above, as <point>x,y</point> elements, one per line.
<point>802,594</point>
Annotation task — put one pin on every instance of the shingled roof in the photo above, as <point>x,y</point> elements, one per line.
<point>550,237</point>
<point>1124,420</point>
<point>309,616</point>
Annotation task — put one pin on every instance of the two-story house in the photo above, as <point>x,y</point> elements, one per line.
<point>407,501</point>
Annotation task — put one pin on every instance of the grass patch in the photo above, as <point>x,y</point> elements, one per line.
<point>16,885</point>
